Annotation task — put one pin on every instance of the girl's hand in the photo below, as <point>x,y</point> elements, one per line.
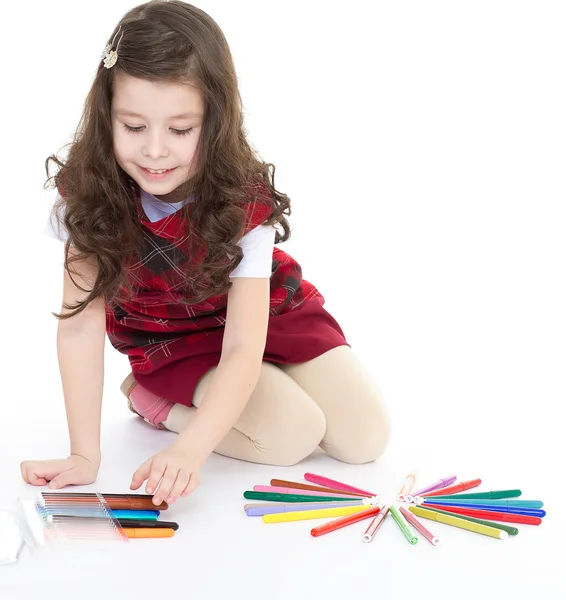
<point>74,470</point>
<point>176,470</point>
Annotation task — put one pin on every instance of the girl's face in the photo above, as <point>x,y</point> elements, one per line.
<point>156,126</point>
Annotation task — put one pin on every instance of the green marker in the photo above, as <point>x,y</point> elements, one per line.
<point>275,497</point>
<point>487,495</point>
<point>402,525</point>
<point>507,528</point>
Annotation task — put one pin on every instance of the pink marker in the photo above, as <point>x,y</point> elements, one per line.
<point>419,526</point>
<point>441,483</point>
<point>337,485</point>
<point>293,491</point>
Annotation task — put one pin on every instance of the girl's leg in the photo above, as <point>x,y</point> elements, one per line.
<point>357,421</point>
<point>280,424</point>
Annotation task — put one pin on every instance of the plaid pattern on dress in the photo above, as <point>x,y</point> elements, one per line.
<point>154,328</point>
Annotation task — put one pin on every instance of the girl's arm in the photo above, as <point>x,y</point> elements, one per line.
<point>80,349</point>
<point>238,370</point>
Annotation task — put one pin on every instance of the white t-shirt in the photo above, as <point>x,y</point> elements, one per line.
<point>257,244</point>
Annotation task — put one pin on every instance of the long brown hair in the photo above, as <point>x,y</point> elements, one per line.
<point>166,42</point>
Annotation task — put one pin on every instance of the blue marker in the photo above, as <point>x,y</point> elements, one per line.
<point>533,512</point>
<point>470,501</point>
<point>150,515</point>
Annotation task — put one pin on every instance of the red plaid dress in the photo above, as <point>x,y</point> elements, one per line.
<point>171,345</point>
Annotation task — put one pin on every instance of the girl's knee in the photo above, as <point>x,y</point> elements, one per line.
<point>362,437</point>
<point>297,439</point>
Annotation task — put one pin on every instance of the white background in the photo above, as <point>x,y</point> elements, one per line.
<point>423,147</point>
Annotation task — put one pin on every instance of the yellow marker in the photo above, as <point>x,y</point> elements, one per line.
<point>456,522</point>
<point>304,515</point>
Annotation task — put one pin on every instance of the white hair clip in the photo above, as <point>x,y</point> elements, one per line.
<point>110,56</point>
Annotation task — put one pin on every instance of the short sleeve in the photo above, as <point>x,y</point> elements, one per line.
<point>257,246</point>
<point>55,224</point>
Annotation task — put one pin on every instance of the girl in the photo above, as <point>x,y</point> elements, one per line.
<point>170,223</point>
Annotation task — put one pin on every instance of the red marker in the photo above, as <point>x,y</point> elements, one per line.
<point>344,521</point>
<point>454,489</point>
<point>488,514</point>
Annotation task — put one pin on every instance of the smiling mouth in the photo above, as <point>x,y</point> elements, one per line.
<point>157,171</point>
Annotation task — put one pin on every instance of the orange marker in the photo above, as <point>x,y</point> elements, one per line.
<point>407,487</point>
<point>149,533</point>
<point>344,521</point>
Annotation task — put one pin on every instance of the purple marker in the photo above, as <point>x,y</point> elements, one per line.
<point>441,483</point>
<point>258,511</point>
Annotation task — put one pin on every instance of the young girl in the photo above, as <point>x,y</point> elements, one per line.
<point>170,223</point>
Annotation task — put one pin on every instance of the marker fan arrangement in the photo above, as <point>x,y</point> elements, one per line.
<point>446,502</point>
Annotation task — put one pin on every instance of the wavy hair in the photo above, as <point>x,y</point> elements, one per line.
<point>166,42</point>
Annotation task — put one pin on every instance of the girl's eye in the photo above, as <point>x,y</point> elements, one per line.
<point>176,131</point>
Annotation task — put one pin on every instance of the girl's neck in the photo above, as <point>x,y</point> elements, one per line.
<point>170,198</point>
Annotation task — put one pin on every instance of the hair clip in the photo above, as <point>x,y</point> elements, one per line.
<point>110,56</point>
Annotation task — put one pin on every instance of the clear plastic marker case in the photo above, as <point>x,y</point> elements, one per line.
<point>39,526</point>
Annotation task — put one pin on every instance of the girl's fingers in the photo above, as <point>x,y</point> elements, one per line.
<point>39,473</point>
<point>33,479</point>
<point>158,469</point>
<point>179,485</point>
<point>65,478</point>
<point>191,486</point>
<point>166,485</point>
<point>41,469</point>
<point>141,475</point>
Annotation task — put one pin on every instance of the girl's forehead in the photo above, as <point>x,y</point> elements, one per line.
<point>139,95</point>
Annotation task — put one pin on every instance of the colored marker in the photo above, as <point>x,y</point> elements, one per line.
<point>534,504</point>
<point>454,521</point>
<point>147,523</point>
<point>313,488</point>
<point>419,526</point>
<point>411,537</point>
<point>135,514</point>
<point>305,515</point>
<point>504,509</point>
<point>375,524</point>
<point>86,510</point>
<point>258,504</point>
<point>274,508</point>
<point>454,489</point>
<point>250,495</point>
<point>94,496</point>
<point>479,495</point>
<point>510,530</point>
<point>113,503</point>
<point>487,514</point>
<point>326,482</point>
<point>149,533</point>
<point>441,483</point>
<point>407,487</point>
<point>293,492</point>
<point>124,523</point>
<point>344,521</point>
